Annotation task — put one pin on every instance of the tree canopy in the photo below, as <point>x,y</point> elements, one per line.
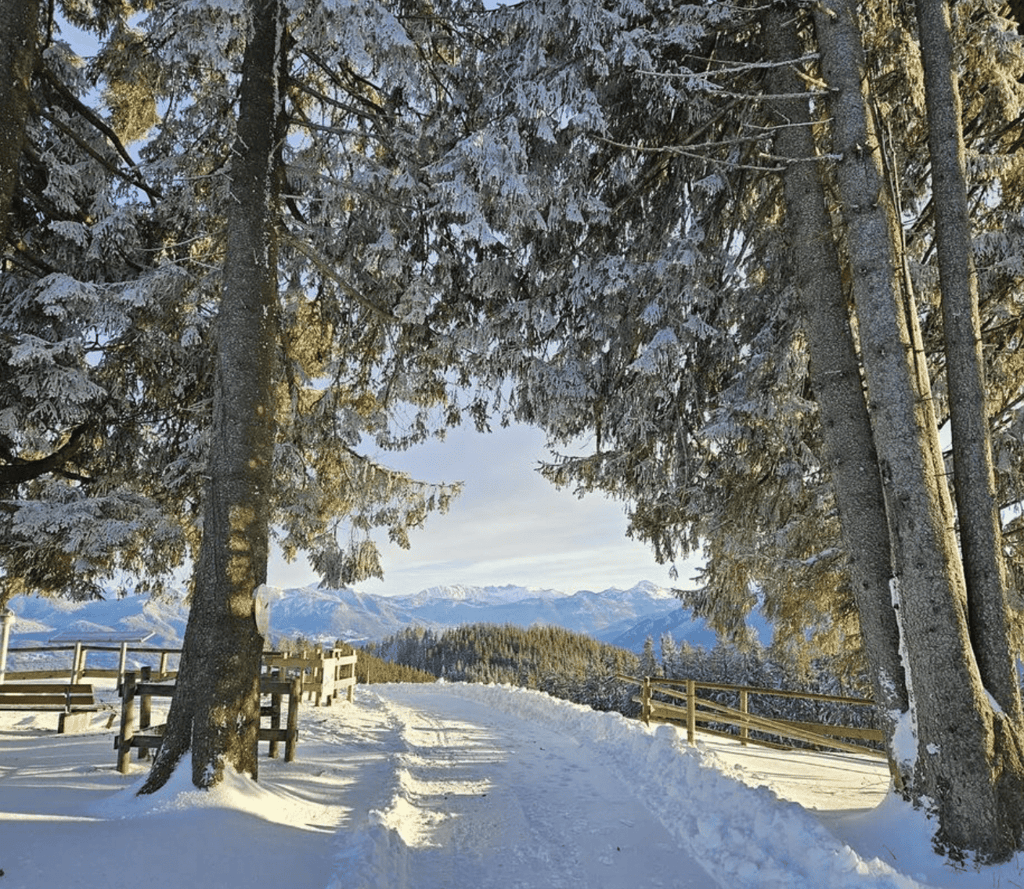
<point>731,246</point>
<point>113,274</point>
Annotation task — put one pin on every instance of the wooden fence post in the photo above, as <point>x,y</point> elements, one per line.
<point>745,728</point>
<point>127,731</point>
<point>322,677</point>
<point>145,712</point>
<point>645,701</point>
<point>691,712</point>
<point>6,620</point>
<point>77,664</point>
<point>122,663</point>
<point>275,721</point>
<point>293,720</point>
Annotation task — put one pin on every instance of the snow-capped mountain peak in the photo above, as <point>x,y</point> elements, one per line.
<point>325,615</point>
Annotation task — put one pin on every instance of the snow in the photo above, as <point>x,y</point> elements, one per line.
<point>465,787</point>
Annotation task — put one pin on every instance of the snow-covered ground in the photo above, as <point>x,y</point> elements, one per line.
<point>465,787</point>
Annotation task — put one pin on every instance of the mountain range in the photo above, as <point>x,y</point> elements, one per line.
<point>620,617</point>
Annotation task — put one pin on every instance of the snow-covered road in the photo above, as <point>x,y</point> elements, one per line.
<point>465,787</point>
<point>488,800</point>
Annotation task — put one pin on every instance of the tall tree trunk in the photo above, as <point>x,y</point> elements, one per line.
<point>835,375</point>
<point>966,766</point>
<point>973,474</point>
<point>215,710</point>
<point>18,55</point>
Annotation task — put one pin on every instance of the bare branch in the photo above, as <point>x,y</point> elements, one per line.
<point>728,67</point>
<point>693,151</point>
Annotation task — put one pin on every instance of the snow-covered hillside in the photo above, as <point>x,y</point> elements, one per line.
<point>466,787</point>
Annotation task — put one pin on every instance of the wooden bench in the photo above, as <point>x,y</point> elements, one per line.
<point>72,701</point>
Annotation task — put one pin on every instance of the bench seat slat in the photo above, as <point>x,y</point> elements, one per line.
<point>46,696</point>
<point>37,701</point>
<point>33,708</point>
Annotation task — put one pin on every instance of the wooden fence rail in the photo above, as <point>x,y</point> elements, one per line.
<point>79,668</point>
<point>696,711</point>
<point>324,672</point>
<point>150,736</point>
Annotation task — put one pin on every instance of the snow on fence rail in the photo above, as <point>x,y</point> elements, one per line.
<point>700,711</point>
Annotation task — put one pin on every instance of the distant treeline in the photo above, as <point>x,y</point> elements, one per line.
<point>577,668</point>
<point>562,663</point>
<point>370,669</point>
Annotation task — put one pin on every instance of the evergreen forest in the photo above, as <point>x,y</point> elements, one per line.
<point>577,668</point>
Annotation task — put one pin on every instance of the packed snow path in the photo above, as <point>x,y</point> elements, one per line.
<point>488,800</point>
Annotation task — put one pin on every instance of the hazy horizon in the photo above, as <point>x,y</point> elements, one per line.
<point>509,526</point>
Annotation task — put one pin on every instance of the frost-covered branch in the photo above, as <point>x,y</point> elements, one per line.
<point>152,192</point>
<point>325,269</point>
<point>18,470</point>
<point>730,67</point>
<point>74,104</point>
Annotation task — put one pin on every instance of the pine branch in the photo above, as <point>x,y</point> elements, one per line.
<point>153,193</point>
<point>314,93</point>
<point>306,123</point>
<point>77,106</point>
<point>332,75</point>
<point>19,470</point>
<point>324,268</point>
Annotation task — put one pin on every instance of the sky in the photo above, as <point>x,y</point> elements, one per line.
<point>509,526</point>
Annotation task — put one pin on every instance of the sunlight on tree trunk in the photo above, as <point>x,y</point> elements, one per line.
<point>974,479</point>
<point>215,711</point>
<point>966,763</point>
<point>835,375</point>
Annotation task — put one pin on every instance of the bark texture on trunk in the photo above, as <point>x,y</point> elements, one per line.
<point>967,765</point>
<point>973,474</point>
<point>849,448</point>
<point>19,49</point>
<point>215,710</point>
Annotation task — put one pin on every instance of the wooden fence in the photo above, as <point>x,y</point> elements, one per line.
<point>149,736</point>
<point>80,670</point>
<point>320,674</point>
<point>324,672</point>
<point>677,700</point>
